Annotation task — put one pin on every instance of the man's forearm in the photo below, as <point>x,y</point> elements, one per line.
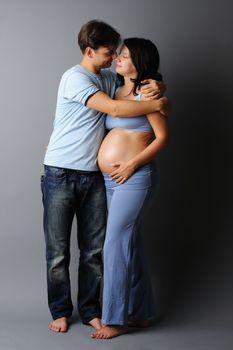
<point>126,108</point>
<point>123,108</point>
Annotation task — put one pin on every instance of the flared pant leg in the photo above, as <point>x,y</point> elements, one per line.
<point>127,292</point>
<point>141,297</point>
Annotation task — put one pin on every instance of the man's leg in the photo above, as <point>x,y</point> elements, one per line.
<point>58,215</point>
<point>91,218</point>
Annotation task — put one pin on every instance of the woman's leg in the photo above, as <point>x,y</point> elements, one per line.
<point>124,210</point>
<point>141,298</point>
<point>125,205</point>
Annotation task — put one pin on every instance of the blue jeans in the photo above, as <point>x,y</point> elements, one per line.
<point>66,193</point>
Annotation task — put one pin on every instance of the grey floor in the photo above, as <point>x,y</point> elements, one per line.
<point>200,329</point>
<point>201,318</point>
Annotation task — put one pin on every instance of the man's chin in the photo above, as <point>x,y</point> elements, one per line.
<point>107,65</point>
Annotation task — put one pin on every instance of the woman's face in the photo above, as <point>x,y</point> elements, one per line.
<point>124,64</point>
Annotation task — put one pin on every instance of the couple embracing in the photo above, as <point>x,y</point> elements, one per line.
<point>99,167</point>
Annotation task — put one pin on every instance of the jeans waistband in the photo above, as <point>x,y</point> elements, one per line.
<point>86,172</point>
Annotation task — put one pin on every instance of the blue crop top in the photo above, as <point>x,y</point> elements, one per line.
<point>139,123</point>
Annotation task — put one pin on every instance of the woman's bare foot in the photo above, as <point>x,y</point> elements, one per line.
<point>96,323</point>
<point>59,325</point>
<point>140,324</point>
<point>108,332</point>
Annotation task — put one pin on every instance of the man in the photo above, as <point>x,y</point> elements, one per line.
<point>72,183</point>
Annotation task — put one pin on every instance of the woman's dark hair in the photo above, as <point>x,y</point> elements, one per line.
<point>96,33</point>
<point>145,57</point>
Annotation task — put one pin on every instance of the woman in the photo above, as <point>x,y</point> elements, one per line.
<point>125,159</point>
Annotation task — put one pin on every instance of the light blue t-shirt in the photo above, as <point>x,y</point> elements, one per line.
<point>78,130</point>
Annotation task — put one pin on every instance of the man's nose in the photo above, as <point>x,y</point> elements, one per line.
<point>117,57</point>
<point>114,55</point>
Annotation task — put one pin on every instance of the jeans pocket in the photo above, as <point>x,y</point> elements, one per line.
<point>98,183</point>
<point>42,187</point>
<point>41,182</point>
<point>54,173</point>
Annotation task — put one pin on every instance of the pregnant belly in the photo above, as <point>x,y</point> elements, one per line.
<point>121,145</point>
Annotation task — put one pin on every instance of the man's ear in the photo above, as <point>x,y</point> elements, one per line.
<point>89,52</point>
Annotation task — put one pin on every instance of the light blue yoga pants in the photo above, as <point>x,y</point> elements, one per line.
<point>127,291</point>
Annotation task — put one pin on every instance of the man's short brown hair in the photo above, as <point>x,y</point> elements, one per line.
<point>96,33</point>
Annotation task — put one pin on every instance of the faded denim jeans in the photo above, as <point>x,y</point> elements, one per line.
<point>67,193</point>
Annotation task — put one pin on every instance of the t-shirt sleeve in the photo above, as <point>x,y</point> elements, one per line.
<point>113,79</point>
<point>78,88</point>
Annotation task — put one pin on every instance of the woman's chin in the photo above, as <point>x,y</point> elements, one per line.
<point>118,70</point>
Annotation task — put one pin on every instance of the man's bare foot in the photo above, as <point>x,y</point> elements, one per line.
<point>59,325</point>
<point>108,332</point>
<point>96,324</point>
<point>140,324</point>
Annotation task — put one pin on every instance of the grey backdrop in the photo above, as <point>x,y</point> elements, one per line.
<point>188,229</point>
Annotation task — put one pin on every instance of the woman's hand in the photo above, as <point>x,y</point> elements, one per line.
<point>152,89</point>
<point>123,171</point>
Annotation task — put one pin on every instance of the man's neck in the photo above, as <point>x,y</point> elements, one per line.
<point>87,65</point>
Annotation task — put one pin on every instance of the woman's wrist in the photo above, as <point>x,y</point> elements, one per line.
<point>133,164</point>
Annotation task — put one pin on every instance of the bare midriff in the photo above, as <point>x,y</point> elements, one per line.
<point>121,145</point>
